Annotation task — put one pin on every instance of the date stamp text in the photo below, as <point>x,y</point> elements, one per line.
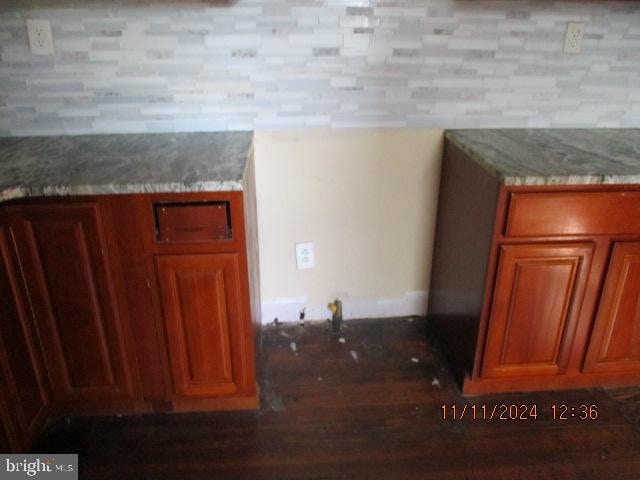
<point>519,412</point>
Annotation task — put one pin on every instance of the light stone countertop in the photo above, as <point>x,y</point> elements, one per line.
<point>554,156</point>
<point>128,163</point>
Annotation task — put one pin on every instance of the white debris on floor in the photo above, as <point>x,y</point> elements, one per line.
<point>415,360</point>
<point>435,382</point>
<point>354,355</point>
<point>342,340</point>
<point>294,347</point>
<point>274,400</point>
<point>319,379</point>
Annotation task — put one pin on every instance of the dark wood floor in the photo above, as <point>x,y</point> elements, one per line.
<point>374,414</point>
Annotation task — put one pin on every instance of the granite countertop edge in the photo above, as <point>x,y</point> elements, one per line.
<point>19,192</point>
<point>33,167</point>
<point>513,181</point>
<point>509,179</point>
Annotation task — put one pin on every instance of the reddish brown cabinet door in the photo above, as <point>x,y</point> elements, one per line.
<point>536,305</point>
<point>202,309</point>
<point>62,252</point>
<point>615,342</point>
<point>23,378</point>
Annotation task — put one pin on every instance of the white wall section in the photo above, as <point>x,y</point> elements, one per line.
<point>367,199</point>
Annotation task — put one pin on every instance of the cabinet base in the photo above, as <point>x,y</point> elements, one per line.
<point>81,408</point>
<point>565,382</point>
<point>211,404</point>
<point>250,402</point>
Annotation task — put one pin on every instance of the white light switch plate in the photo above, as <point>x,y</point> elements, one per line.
<point>40,37</point>
<point>305,256</point>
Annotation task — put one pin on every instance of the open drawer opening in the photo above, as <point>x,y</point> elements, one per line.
<point>193,221</point>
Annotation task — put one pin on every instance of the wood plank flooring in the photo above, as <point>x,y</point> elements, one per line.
<point>368,408</point>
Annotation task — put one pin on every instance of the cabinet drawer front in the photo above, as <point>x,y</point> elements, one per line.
<point>579,213</point>
<point>193,222</point>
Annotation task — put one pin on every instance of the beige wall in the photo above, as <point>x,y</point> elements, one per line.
<point>367,199</point>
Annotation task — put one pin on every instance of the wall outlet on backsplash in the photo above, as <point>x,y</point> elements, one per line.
<point>573,37</point>
<point>40,37</point>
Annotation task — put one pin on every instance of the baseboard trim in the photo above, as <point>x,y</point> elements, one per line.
<point>288,309</point>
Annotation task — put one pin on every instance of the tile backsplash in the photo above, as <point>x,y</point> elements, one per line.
<point>145,66</point>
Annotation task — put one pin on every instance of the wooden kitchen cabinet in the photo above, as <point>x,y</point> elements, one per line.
<point>197,248</point>
<point>127,304</point>
<point>535,287</point>
<point>134,287</point>
<point>62,251</point>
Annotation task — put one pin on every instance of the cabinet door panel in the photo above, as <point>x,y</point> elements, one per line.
<point>203,318</point>
<point>62,249</point>
<point>615,343</point>
<point>539,290</point>
<point>25,387</point>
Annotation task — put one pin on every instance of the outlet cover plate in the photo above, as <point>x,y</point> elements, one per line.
<point>573,37</point>
<point>305,256</point>
<point>40,37</point>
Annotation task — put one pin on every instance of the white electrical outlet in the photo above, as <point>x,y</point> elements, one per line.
<point>573,37</point>
<point>40,38</point>
<point>305,257</point>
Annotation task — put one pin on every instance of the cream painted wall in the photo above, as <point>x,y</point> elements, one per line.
<point>367,199</point>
